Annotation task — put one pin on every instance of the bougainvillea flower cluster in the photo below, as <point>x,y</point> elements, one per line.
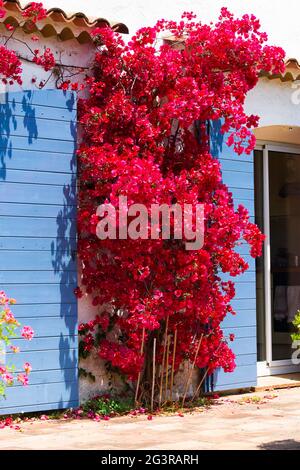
<point>145,137</point>
<point>10,63</point>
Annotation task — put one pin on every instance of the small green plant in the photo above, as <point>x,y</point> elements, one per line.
<point>296,335</point>
<point>106,405</point>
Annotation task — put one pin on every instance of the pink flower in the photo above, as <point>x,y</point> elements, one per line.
<point>27,333</point>
<point>23,379</point>
<point>8,378</point>
<point>9,318</point>
<point>27,367</point>
<point>44,418</point>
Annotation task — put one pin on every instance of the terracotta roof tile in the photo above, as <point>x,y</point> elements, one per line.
<point>65,25</point>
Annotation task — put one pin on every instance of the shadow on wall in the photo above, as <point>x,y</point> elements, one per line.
<point>10,121</point>
<point>64,261</point>
<point>216,138</point>
<point>7,123</point>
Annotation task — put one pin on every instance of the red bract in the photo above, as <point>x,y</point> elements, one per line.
<point>46,60</point>
<point>10,66</point>
<point>139,140</point>
<point>35,12</point>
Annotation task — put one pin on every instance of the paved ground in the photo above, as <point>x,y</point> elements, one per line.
<point>253,421</point>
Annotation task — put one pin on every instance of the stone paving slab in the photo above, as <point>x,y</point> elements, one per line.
<point>254,421</point>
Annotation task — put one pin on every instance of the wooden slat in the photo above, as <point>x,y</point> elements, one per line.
<point>18,142</point>
<point>41,395</point>
<point>37,277</point>
<point>42,261</point>
<point>39,177</point>
<point>45,310</point>
<point>51,98</point>
<point>26,110</point>
<point>31,160</point>
<point>37,194</point>
<point>45,343</point>
<point>43,293</point>
<point>61,227</point>
<point>35,210</point>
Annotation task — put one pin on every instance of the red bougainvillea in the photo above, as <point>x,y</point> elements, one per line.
<point>10,63</point>
<point>145,137</point>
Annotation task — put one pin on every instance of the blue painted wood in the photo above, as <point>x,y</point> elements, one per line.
<point>247,276</point>
<point>36,408</point>
<point>44,227</point>
<point>45,310</point>
<point>41,395</point>
<point>35,244</point>
<point>52,98</point>
<point>243,304</point>
<point>237,179</point>
<point>243,318</point>
<point>38,242</point>
<point>62,343</point>
<point>50,376</point>
<point>43,293</point>
<point>240,194</point>
<point>242,376</point>
<point>36,277</point>
<point>238,175</point>
<point>240,331</point>
<point>33,210</point>
<point>39,111</point>
<point>35,128</point>
<point>245,359</point>
<point>29,261</point>
<point>9,143</point>
<point>39,177</point>
<point>40,161</point>
<point>236,165</point>
<point>236,386</point>
<point>37,194</point>
<point>41,361</point>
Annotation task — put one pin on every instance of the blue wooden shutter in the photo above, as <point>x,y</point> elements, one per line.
<point>38,242</point>
<point>238,175</point>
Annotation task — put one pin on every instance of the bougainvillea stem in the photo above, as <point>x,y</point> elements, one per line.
<point>153,374</point>
<point>163,362</point>
<point>167,370</point>
<point>173,365</point>
<point>200,384</point>
<point>192,370</point>
<point>139,376</point>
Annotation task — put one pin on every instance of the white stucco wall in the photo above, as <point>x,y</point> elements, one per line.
<point>280,19</point>
<point>278,105</point>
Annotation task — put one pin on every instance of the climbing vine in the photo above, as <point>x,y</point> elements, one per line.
<point>145,137</point>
